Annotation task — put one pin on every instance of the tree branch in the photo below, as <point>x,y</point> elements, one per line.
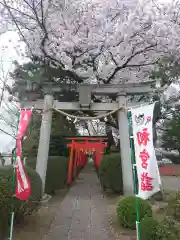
<point>15,22</point>
<point>16,10</point>
<point>125,64</point>
<point>1,130</point>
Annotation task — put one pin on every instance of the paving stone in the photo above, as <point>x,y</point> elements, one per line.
<point>83,213</point>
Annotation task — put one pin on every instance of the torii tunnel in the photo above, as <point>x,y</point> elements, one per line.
<point>80,148</point>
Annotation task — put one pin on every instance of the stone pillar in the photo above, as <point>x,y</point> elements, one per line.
<point>125,146</point>
<point>44,140</point>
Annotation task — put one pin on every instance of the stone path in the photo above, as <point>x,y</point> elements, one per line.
<point>83,213</point>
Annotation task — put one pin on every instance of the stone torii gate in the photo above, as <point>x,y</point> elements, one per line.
<point>86,91</point>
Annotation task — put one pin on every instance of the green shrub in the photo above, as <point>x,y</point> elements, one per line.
<point>31,162</point>
<point>174,158</point>
<point>110,172</point>
<point>57,171</point>
<point>21,208</point>
<point>58,146</point>
<point>126,211</point>
<point>149,229</point>
<point>173,208</point>
<point>56,175</point>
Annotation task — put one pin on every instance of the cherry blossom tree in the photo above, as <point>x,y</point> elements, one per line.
<point>96,41</point>
<point>102,41</point>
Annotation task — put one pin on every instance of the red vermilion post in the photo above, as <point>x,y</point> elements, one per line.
<point>82,157</point>
<point>98,155</point>
<point>75,163</point>
<point>79,159</point>
<point>70,164</point>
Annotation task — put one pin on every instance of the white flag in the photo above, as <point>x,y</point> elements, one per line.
<point>146,163</point>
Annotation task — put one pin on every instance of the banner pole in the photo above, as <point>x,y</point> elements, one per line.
<point>134,176</point>
<point>13,186</point>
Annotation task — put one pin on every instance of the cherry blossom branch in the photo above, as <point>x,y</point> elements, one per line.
<point>4,3</point>
<point>15,22</point>
<point>125,64</point>
<point>5,108</point>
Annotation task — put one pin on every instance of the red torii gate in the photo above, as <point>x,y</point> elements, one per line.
<point>79,150</point>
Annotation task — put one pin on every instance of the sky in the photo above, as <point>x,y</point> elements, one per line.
<point>8,49</point>
<point>8,53</point>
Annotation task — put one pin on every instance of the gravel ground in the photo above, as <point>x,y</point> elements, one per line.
<point>170,183</point>
<point>36,226</point>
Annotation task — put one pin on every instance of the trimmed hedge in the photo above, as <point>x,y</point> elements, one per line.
<point>126,211</point>
<point>57,170</point>
<point>56,176</point>
<point>110,173</point>
<point>149,229</point>
<point>21,208</point>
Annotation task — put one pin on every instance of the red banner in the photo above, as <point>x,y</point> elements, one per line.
<point>23,187</point>
<point>25,117</point>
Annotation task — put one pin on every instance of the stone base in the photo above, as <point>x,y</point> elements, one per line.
<point>45,199</point>
<point>158,196</point>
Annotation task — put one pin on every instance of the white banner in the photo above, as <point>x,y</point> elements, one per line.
<point>146,163</point>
